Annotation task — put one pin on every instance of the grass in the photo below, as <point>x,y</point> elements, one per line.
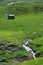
<point>14,54</point>
<point>38,61</point>
<point>22,27</point>
<point>18,30</point>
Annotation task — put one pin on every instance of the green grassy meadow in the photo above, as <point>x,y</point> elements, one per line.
<point>28,24</point>
<point>22,27</point>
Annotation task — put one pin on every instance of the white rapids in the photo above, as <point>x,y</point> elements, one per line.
<point>28,49</point>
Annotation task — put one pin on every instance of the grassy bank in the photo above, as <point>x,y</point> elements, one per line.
<point>38,61</point>
<point>17,31</point>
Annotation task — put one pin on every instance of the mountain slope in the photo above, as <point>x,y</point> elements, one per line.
<point>38,61</point>
<point>4,2</point>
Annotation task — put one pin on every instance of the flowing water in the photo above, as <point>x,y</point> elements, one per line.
<point>28,49</point>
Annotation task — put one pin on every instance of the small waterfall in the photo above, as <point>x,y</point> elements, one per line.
<point>28,49</point>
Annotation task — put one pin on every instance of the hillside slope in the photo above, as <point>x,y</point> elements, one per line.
<point>4,2</point>
<point>21,8</point>
<point>38,61</point>
<point>28,24</point>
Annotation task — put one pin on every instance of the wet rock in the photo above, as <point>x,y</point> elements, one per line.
<point>21,58</point>
<point>20,48</point>
<point>9,46</point>
<point>2,47</point>
<point>10,51</point>
<point>12,45</point>
<point>37,54</point>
